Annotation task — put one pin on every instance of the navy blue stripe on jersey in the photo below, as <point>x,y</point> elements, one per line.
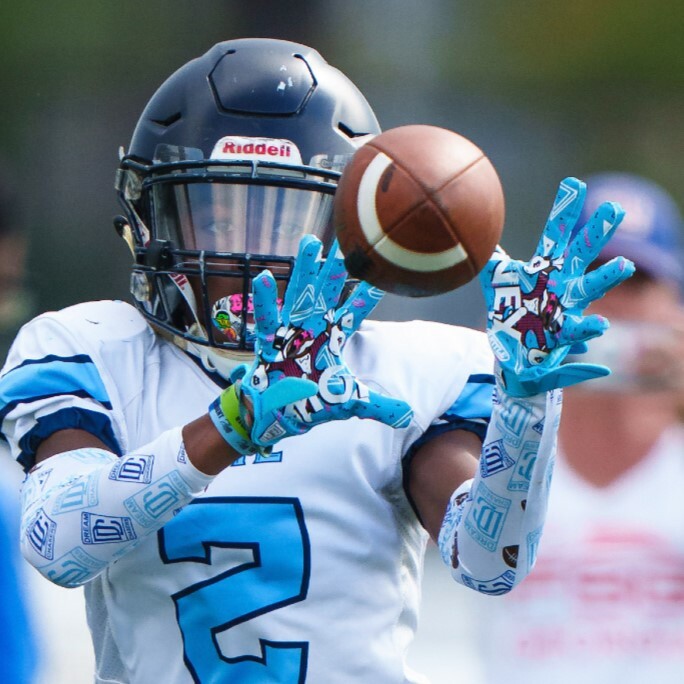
<point>479,427</point>
<point>52,376</point>
<point>72,418</point>
<point>471,411</point>
<point>475,400</point>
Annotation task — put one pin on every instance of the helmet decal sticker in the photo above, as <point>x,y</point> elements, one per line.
<point>227,316</point>
<point>237,148</point>
<point>183,284</point>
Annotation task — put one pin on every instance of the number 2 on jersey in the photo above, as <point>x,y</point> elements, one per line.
<point>275,531</point>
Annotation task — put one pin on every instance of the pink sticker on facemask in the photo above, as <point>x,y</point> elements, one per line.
<point>226,315</point>
<point>236,304</point>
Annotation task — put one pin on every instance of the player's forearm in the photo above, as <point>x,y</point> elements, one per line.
<point>206,448</point>
<point>493,523</point>
<point>83,509</point>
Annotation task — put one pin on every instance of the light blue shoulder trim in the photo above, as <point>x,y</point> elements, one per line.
<point>474,401</point>
<point>51,376</point>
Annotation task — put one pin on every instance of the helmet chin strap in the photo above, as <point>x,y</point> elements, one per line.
<point>221,361</point>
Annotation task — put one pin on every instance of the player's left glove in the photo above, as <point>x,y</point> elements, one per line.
<point>299,377</point>
<point>536,308</point>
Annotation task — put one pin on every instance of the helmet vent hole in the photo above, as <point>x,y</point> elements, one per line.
<point>169,120</point>
<point>349,132</point>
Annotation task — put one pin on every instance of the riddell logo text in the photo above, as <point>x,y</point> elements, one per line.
<point>280,151</point>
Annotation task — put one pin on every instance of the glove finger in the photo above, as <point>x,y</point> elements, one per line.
<point>266,314</point>
<point>283,392</point>
<point>573,373</point>
<point>331,279</point>
<point>537,381</point>
<point>498,255</point>
<point>499,272</point>
<point>581,291</point>
<point>562,219</point>
<point>579,329</point>
<point>578,348</point>
<point>592,237</point>
<point>357,307</point>
<point>300,293</point>
<point>393,412</point>
<point>239,372</point>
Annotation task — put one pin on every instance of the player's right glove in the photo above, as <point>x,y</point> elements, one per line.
<point>536,308</point>
<point>299,377</point>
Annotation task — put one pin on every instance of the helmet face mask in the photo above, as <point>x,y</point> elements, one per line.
<point>234,159</point>
<point>240,209</point>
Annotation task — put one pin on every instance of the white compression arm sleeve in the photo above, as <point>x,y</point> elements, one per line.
<point>83,509</point>
<point>493,523</point>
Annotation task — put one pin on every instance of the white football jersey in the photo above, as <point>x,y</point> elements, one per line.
<point>605,601</point>
<point>300,566</point>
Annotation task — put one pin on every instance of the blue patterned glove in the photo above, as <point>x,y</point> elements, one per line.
<point>299,377</point>
<point>535,308</point>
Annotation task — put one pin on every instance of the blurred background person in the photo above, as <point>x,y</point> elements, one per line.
<point>18,648</point>
<point>605,602</point>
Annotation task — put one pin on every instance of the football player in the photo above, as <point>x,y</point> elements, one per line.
<point>242,470</point>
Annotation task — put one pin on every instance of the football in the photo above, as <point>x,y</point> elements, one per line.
<point>418,211</point>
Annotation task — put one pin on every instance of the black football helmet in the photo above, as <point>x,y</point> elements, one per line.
<point>235,157</point>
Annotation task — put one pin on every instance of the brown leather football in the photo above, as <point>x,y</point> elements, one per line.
<point>418,211</point>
